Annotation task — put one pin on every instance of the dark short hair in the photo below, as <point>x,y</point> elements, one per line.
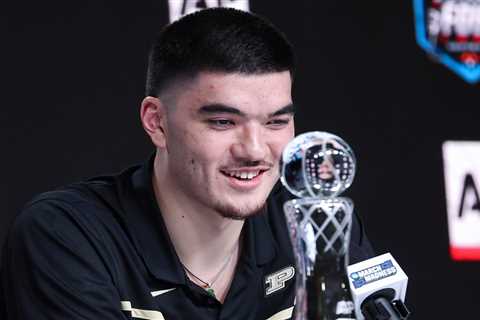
<point>216,40</point>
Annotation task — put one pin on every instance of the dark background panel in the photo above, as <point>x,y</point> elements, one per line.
<point>73,77</point>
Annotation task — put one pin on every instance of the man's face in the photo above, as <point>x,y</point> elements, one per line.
<point>225,133</point>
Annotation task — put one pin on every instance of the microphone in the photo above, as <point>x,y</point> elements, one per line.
<point>378,287</point>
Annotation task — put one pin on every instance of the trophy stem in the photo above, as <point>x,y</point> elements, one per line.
<point>320,234</point>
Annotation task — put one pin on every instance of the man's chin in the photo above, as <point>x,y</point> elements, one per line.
<point>237,213</point>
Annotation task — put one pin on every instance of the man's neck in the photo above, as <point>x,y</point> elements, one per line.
<point>202,238</point>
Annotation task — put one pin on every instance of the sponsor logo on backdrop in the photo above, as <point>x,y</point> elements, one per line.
<point>462,182</point>
<point>372,274</point>
<point>450,31</point>
<point>179,8</point>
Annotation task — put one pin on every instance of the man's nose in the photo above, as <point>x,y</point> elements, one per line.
<point>251,144</point>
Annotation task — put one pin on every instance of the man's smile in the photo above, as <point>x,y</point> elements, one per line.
<point>245,178</point>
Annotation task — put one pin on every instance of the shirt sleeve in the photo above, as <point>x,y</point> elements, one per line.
<point>52,268</point>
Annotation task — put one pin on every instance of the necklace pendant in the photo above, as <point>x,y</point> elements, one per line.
<point>211,292</point>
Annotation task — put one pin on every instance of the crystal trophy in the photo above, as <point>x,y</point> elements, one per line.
<point>316,167</point>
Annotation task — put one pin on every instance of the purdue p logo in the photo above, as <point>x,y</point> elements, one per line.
<point>276,280</point>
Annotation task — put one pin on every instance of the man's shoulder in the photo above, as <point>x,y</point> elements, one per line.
<point>100,190</point>
<point>85,197</point>
<point>71,195</point>
<point>92,204</point>
<point>65,211</point>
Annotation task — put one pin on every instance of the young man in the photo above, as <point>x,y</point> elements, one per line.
<point>197,232</point>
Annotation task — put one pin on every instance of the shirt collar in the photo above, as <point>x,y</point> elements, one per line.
<point>259,242</point>
<point>148,228</point>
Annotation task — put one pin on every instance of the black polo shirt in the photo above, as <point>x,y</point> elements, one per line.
<point>99,250</point>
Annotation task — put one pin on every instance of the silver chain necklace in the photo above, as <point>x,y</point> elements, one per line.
<point>208,285</point>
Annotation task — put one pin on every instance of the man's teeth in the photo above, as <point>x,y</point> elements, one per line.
<point>243,175</point>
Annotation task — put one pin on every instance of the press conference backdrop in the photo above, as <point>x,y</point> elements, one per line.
<point>72,78</point>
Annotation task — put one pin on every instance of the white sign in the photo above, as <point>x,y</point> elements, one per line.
<point>462,182</point>
<point>179,8</point>
<point>377,273</point>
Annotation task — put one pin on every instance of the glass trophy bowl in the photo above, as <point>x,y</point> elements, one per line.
<point>316,167</point>
<point>317,164</point>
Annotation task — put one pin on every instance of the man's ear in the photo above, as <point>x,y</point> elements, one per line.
<point>153,116</point>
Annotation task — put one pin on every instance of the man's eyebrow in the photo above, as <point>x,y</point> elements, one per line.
<point>222,108</point>
<point>285,110</point>
<point>219,108</point>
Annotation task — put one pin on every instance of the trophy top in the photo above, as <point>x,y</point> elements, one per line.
<point>317,164</point>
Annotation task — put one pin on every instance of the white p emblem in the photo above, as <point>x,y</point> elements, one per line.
<point>276,280</point>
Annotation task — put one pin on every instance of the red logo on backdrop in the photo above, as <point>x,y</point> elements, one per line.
<point>450,31</point>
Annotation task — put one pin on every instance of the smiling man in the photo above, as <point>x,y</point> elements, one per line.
<point>197,232</point>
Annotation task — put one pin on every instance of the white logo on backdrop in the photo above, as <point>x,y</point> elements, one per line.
<point>179,8</point>
<point>462,183</point>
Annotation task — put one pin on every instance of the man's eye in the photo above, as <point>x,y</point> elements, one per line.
<point>220,123</point>
<point>278,123</point>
